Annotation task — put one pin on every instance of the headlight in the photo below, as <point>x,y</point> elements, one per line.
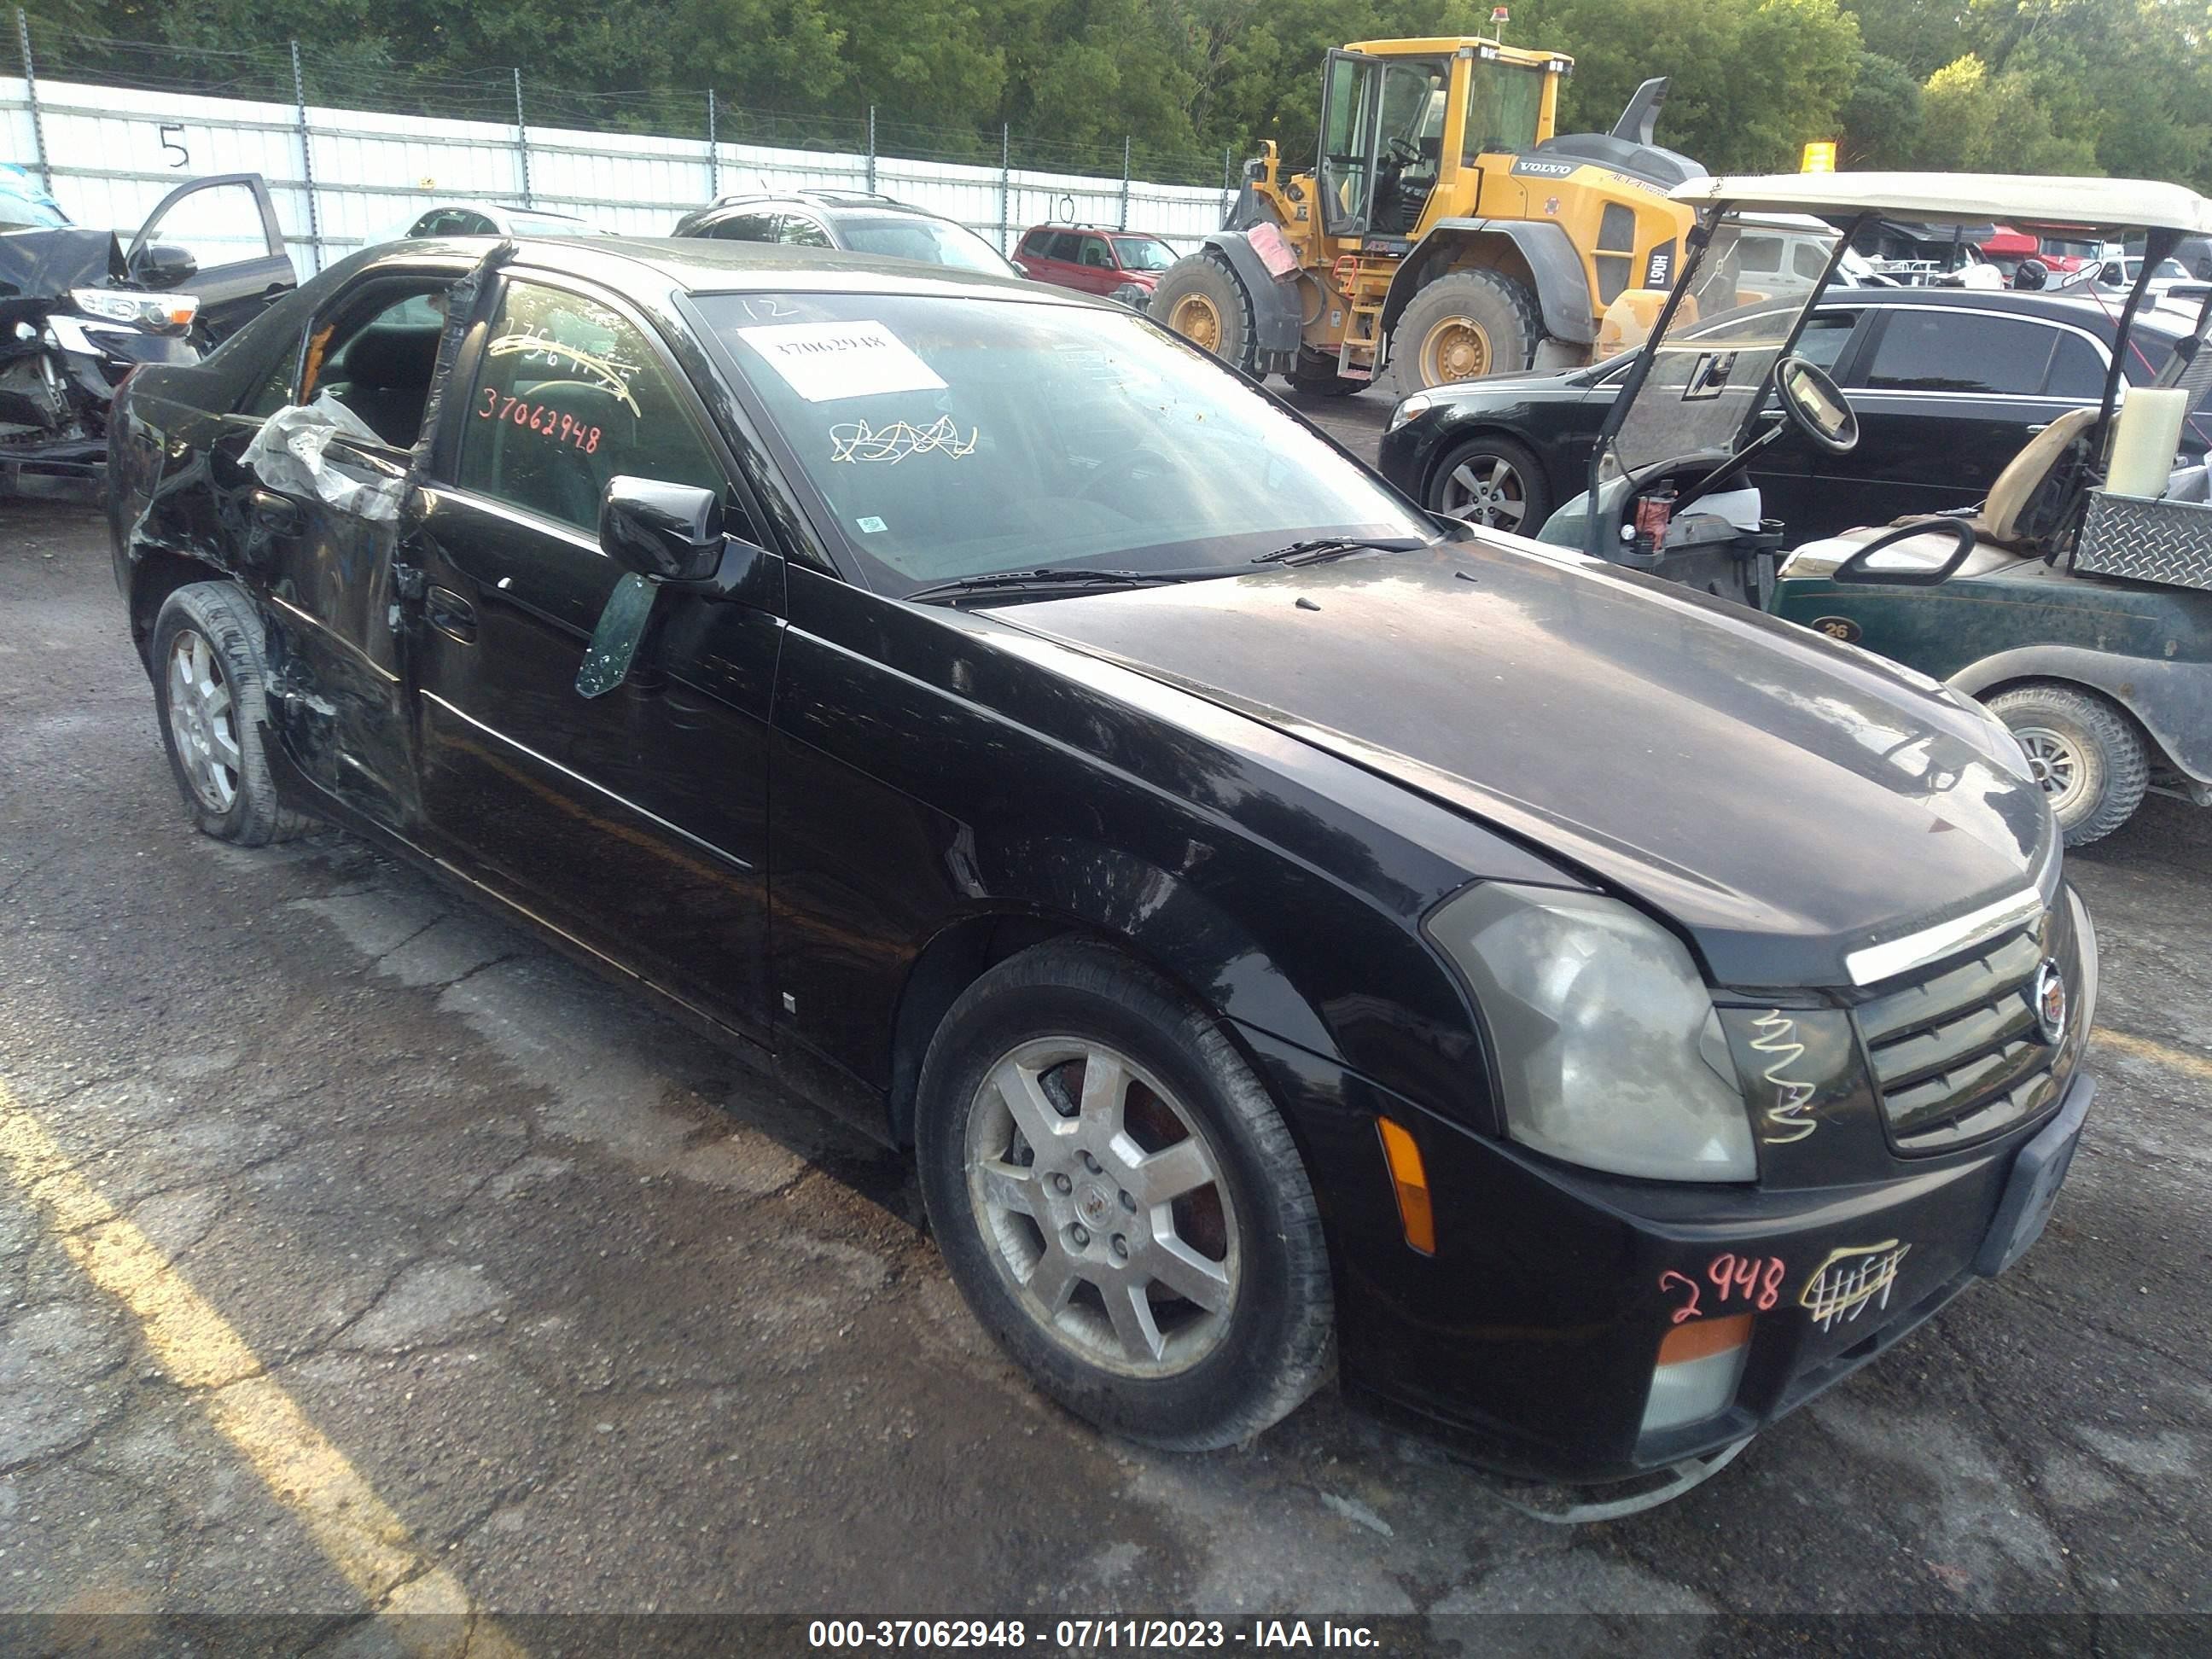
<point>1608,1049</point>
<point>1420,403</point>
<point>160,312</point>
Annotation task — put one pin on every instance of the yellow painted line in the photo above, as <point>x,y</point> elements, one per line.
<point>200,1350</point>
<point>2158,1054</point>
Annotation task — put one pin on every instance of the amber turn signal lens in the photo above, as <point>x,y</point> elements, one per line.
<point>1703,1338</point>
<point>1412,1181</point>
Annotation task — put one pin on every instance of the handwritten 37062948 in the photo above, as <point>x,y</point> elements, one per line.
<point>556,424</point>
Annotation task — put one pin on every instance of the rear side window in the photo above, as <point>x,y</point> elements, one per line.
<point>744,227</point>
<point>1962,352</point>
<point>1066,245</point>
<point>2076,371</point>
<point>570,394</point>
<point>1034,244</point>
<point>797,230</point>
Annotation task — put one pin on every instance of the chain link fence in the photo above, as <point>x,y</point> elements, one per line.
<point>364,134</point>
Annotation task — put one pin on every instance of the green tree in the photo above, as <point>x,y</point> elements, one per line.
<point>1881,119</point>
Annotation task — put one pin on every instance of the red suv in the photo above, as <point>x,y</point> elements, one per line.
<point>1123,264</point>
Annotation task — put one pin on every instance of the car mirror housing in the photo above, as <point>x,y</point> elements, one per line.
<point>164,264</point>
<point>670,532</point>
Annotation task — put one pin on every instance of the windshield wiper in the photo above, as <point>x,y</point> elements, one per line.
<point>1330,547</point>
<point>1071,578</point>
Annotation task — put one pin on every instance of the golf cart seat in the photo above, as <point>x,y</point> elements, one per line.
<point>2008,526</point>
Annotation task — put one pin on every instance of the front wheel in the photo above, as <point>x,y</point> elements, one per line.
<point>1317,376</point>
<point>1493,482</point>
<point>1119,1201</point>
<point>1201,299</point>
<point>2084,752</point>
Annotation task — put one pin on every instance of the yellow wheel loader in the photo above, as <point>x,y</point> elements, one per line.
<point>1445,233</point>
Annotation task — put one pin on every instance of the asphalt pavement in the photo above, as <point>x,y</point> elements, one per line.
<point>356,1251</point>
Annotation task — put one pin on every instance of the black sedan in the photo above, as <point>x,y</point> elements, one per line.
<point>1288,936</point>
<point>1947,384</point>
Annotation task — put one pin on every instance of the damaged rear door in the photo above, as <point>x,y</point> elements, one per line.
<point>325,494</point>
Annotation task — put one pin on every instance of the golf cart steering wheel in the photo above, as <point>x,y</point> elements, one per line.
<point>1816,404</point>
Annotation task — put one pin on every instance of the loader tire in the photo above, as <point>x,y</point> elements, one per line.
<point>1201,300</point>
<point>1465,324</point>
<point>1316,375</point>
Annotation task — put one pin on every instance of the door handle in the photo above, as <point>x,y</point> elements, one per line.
<point>451,615</point>
<point>277,514</point>
<point>2037,427</point>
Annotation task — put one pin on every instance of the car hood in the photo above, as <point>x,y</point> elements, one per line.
<point>1786,799</point>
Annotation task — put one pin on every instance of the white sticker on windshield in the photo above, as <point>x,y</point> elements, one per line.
<point>871,525</point>
<point>824,362</point>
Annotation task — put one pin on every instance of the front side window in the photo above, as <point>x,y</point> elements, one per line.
<point>379,362</point>
<point>570,394</point>
<point>1095,254</point>
<point>952,436</point>
<point>218,225</point>
<point>1954,351</point>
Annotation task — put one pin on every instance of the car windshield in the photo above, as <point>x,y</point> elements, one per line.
<point>1143,253</point>
<point>1714,363</point>
<point>961,437</point>
<point>935,241</point>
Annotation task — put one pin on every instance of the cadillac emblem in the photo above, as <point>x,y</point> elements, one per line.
<point>2049,1002</point>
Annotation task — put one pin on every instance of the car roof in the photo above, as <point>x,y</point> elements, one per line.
<point>2079,309</point>
<point>828,201</point>
<point>1963,197</point>
<point>700,265</point>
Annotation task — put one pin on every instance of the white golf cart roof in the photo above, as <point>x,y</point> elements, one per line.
<point>1963,198</point>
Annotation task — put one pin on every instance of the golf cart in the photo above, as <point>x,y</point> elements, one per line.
<point>2074,601</point>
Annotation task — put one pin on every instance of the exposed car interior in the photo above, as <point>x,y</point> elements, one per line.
<point>379,364</point>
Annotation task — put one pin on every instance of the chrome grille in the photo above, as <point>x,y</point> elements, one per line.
<point>1956,1052</point>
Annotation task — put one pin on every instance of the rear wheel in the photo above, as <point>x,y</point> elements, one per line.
<point>1493,482</point>
<point>209,677</point>
<point>1119,1201</point>
<point>2084,752</point>
<point>1463,325</point>
<point>1201,300</point>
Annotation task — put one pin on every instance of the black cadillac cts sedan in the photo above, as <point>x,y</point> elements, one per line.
<point>1590,1017</point>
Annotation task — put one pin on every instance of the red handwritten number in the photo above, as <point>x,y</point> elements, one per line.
<point>547,423</point>
<point>491,402</point>
<point>592,447</point>
<point>1689,1309</point>
<point>1754,1278</point>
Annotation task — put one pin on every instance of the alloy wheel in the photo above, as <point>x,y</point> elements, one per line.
<point>2055,764</point>
<point>1486,489</point>
<point>203,720</point>
<point>1103,1207</point>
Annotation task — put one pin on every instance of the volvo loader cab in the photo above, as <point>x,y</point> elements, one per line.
<point>1445,233</point>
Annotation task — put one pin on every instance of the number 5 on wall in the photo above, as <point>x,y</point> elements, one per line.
<point>184,156</point>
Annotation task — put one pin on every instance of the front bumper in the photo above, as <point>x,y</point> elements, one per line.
<point>1528,1339</point>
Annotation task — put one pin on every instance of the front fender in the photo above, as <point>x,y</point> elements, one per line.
<point>2170,701</point>
<point>1277,322</point>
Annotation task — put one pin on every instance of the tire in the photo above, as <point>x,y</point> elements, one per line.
<point>2087,754</point>
<point>211,679</point>
<point>1493,482</point>
<point>1171,1372</point>
<point>1463,325</point>
<point>1201,300</point>
<point>1317,376</point>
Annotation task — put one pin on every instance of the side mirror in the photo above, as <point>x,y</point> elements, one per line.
<point>664,531</point>
<point>164,264</point>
